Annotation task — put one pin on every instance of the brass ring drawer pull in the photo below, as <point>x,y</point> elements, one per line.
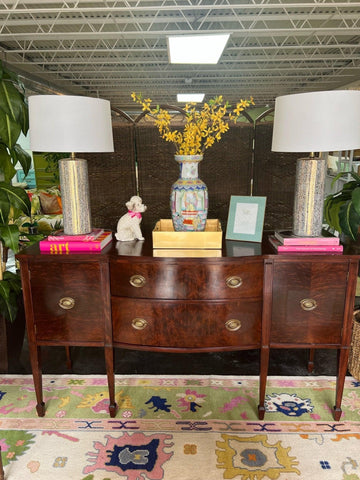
<point>308,304</point>
<point>137,281</point>
<point>234,281</point>
<point>233,325</point>
<point>67,303</point>
<point>139,323</point>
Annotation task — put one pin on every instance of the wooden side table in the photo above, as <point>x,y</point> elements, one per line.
<point>308,303</point>
<point>129,298</point>
<point>67,302</point>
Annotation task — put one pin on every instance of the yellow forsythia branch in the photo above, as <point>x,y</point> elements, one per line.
<point>202,128</point>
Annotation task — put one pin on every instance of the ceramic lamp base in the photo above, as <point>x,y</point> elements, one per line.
<point>309,197</point>
<point>75,196</point>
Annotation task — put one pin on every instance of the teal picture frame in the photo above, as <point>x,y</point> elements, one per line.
<point>246,218</point>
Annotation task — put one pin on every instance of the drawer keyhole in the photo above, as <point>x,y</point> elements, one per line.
<point>234,281</point>
<point>67,303</point>
<point>137,281</point>
<point>233,325</point>
<point>308,304</point>
<point>139,323</point>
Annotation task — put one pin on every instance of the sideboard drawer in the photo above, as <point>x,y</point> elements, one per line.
<point>67,302</point>
<point>186,324</point>
<point>308,302</point>
<point>183,280</point>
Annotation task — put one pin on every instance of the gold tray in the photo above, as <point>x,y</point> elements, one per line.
<point>164,236</point>
<point>187,252</point>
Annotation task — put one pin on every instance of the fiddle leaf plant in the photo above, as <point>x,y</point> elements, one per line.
<point>342,209</point>
<point>14,119</point>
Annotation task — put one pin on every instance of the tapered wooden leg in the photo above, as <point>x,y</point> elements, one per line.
<point>264,367</point>
<point>337,412</point>
<point>2,474</point>
<point>35,359</point>
<point>68,358</point>
<point>109,360</point>
<point>343,358</point>
<point>311,363</point>
<point>265,335</point>
<point>4,364</point>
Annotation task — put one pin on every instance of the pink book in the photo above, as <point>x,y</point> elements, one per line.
<point>88,237</point>
<point>286,237</point>
<point>65,247</point>
<point>310,248</point>
<point>304,248</point>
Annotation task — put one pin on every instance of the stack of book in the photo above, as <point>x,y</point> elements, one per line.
<point>92,242</point>
<point>284,241</point>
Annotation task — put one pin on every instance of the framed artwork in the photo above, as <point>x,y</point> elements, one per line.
<point>246,218</point>
<point>242,249</point>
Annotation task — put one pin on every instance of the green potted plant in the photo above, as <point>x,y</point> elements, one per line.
<point>13,121</point>
<point>342,209</point>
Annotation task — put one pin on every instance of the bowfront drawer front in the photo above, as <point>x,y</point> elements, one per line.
<point>67,302</point>
<point>184,280</point>
<point>186,324</point>
<point>308,302</point>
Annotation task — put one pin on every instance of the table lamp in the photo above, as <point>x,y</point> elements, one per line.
<point>66,123</point>
<point>315,122</point>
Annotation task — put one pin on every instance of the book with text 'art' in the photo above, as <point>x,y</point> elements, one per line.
<point>61,247</point>
<point>286,237</point>
<point>87,237</point>
<point>281,248</point>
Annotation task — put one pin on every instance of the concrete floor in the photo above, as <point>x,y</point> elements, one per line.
<point>90,360</point>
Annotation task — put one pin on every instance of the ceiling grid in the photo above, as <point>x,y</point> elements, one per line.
<point>111,48</point>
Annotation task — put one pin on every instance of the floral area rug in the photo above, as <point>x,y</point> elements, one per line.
<point>179,428</point>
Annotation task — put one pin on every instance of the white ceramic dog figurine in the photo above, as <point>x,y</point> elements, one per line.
<point>128,227</point>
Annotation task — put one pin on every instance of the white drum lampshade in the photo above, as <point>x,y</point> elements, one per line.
<point>66,123</point>
<point>314,122</point>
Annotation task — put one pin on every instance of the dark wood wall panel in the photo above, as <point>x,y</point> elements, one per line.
<point>112,179</point>
<point>226,170</point>
<point>157,171</point>
<point>274,178</point>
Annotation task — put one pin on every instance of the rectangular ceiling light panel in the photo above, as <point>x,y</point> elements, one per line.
<point>206,49</point>
<point>190,97</point>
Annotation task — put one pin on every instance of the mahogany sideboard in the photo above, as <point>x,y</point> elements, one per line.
<point>247,298</point>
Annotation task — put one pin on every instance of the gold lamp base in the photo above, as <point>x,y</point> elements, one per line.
<point>309,197</point>
<point>75,196</point>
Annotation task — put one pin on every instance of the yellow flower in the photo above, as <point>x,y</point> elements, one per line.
<point>202,128</point>
<point>209,142</point>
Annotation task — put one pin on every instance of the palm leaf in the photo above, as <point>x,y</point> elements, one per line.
<point>9,129</point>
<point>7,169</point>
<point>8,301</point>
<point>349,220</point>
<point>332,207</point>
<point>356,199</point>
<point>10,236</point>
<point>21,156</point>
<point>14,281</point>
<point>4,208</point>
<point>24,119</point>
<point>5,304</point>
<point>17,197</point>
<point>11,100</point>
<point>7,74</point>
